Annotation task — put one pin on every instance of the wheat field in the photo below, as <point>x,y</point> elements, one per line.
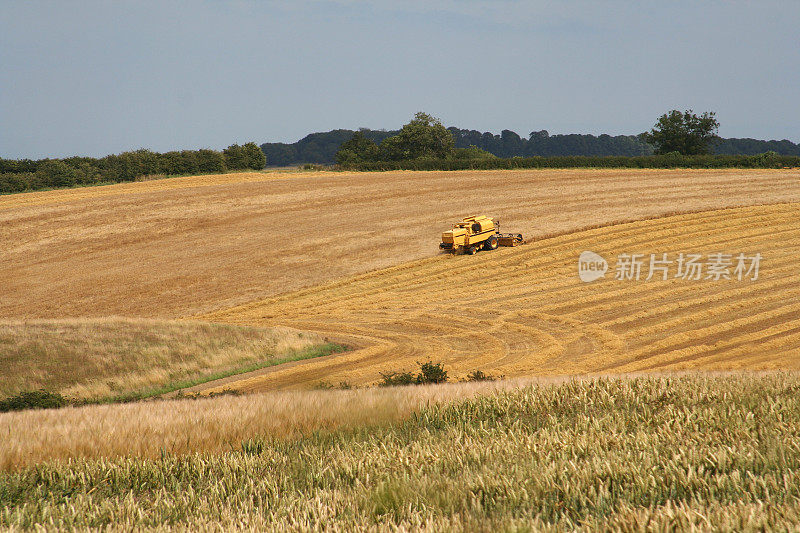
<point>214,425</point>
<point>93,358</point>
<point>523,311</point>
<point>649,454</point>
<point>178,247</point>
<point>351,258</point>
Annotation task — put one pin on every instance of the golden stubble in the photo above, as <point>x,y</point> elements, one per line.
<point>176,247</point>
<point>523,311</point>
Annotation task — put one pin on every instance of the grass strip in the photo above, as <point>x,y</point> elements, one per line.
<point>144,394</point>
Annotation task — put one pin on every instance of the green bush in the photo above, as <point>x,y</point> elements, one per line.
<point>56,173</point>
<point>429,372</point>
<point>393,379</point>
<point>18,182</point>
<point>472,152</point>
<point>40,399</point>
<point>479,375</point>
<point>254,156</point>
<point>234,157</point>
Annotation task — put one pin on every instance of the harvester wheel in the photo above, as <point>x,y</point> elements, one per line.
<point>472,250</point>
<point>491,243</point>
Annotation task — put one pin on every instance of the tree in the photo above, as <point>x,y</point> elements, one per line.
<point>234,157</point>
<point>254,156</point>
<point>685,133</point>
<point>357,150</point>
<point>424,136</point>
<point>512,143</point>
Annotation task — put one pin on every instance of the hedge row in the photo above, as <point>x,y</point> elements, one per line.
<point>766,160</point>
<point>27,175</point>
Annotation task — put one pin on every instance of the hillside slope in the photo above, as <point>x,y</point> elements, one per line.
<point>524,311</point>
<point>672,454</point>
<point>176,247</point>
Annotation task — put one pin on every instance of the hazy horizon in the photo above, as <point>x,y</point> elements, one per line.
<point>97,78</point>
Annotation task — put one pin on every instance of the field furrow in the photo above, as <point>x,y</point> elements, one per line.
<point>185,246</point>
<point>524,311</point>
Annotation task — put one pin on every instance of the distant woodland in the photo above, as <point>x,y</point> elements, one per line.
<point>20,175</point>
<point>321,148</point>
<point>678,140</point>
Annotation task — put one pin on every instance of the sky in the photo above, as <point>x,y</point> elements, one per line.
<point>93,78</point>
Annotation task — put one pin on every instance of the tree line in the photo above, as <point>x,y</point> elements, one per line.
<point>678,139</point>
<point>673,160</point>
<point>18,175</point>
<point>321,148</point>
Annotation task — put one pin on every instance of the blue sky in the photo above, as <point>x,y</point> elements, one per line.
<point>91,78</point>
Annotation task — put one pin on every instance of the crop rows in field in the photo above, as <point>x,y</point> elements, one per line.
<point>524,311</point>
<point>179,247</point>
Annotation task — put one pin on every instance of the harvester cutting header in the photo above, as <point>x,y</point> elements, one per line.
<point>476,233</point>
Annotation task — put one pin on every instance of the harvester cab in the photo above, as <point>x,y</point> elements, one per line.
<point>477,233</point>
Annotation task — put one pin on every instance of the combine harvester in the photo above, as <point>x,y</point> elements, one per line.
<point>475,233</point>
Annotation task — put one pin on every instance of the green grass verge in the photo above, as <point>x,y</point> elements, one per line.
<point>308,353</point>
<point>660,454</point>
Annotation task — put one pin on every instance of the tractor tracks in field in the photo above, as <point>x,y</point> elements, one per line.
<point>523,311</point>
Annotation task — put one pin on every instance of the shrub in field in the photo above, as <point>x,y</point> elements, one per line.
<point>40,399</point>
<point>684,133</point>
<point>392,379</point>
<point>479,375</point>
<point>424,136</point>
<point>244,157</point>
<point>472,152</point>
<point>429,372</point>
<point>358,148</point>
<point>234,157</point>
<point>210,161</point>
<point>254,156</point>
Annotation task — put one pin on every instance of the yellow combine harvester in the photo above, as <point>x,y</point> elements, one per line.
<point>474,233</point>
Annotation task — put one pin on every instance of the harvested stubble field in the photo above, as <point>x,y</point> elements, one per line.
<point>352,257</point>
<point>655,454</point>
<point>177,247</point>
<point>523,311</point>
